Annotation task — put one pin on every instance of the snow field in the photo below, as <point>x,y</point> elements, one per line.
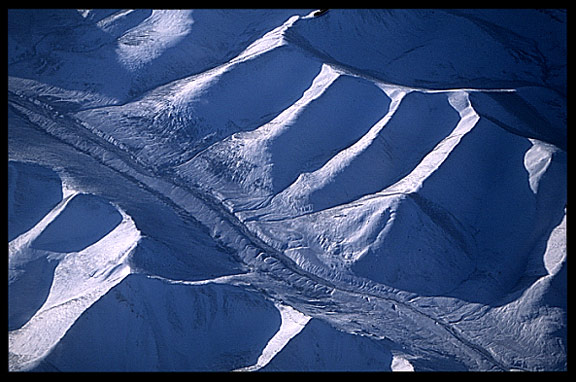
<point>69,267</point>
<point>283,185</point>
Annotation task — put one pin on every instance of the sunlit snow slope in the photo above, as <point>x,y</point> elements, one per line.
<point>273,190</point>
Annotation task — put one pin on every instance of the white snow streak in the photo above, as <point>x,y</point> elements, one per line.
<point>292,323</point>
<point>309,182</point>
<point>18,245</point>
<point>433,160</point>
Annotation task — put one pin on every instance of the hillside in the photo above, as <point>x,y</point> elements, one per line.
<point>218,190</point>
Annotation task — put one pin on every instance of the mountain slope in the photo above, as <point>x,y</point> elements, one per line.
<point>262,195</point>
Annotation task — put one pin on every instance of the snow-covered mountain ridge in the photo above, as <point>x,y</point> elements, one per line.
<point>263,188</point>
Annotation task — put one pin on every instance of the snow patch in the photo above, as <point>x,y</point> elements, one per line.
<point>536,162</point>
<point>555,254</point>
<point>401,364</point>
<point>147,41</point>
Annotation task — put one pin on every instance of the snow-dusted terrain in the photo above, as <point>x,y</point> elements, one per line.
<point>270,190</point>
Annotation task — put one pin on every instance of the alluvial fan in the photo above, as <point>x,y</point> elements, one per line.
<point>287,190</point>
